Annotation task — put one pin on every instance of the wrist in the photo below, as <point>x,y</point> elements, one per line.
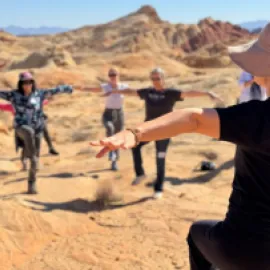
<point>137,132</point>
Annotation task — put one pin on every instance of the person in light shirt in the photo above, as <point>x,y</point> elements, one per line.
<point>113,116</point>
<point>250,90</point>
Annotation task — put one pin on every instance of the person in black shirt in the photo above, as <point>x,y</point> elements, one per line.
<point>29,121</point>
<point>242,240</point>
<point>159,100</point>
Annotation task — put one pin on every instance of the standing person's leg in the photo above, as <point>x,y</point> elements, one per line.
<point>119,124</point>
<point>23,160</point>
<point>27,134</point>
<point>107,120</point>
<point>138,163</point>
<point>48,140</point>
<point>161,151</point>
<point>38,138</point>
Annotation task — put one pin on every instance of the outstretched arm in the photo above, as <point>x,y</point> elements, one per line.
<point>241,124</point>
<point>127,92</point>
<point>7,108</point>
<point>203,121</point>
<point>88,89</point>
<point>195,93</point>
<point>6,95</point>
<point>61,89</point>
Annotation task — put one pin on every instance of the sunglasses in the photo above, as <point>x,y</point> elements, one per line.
<point>156,79</point>
<point>27,82</point>
<point>112,75</point>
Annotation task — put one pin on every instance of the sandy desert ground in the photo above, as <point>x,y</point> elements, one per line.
<point>63,227</point>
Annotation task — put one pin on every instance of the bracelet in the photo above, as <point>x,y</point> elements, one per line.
<point>136,134</point>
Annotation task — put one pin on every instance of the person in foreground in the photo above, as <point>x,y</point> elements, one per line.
<point>242,240</point>
<point>159,100</point>
<point>27,102</point>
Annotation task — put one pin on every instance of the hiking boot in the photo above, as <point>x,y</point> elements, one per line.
<point>53,152</point>
<point>32,188</point>
<point>114,166</point>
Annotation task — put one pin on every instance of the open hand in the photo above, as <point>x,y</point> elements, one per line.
<point>122,140</point>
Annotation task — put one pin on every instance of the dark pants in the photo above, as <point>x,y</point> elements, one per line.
<point>47,137</point>
<point>113,120</point>
<point>212,244</point>
<point>31,141</point>
<point>161,150</point>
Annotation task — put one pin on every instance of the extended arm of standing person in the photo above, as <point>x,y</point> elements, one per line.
<point>196,93</point>
<point>126,92</point>
<point>96,89</point>
<point>61,89</point>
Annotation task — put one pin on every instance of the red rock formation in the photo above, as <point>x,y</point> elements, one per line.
<point>212,32</point>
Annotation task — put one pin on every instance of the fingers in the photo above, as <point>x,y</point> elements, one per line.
<point>95,143</point>
<point>102,152</point>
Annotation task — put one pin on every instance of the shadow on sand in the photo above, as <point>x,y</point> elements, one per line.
<point>201,179</point>
<point>80,205</point>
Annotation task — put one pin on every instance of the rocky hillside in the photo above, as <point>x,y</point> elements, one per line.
<point>141,32</point>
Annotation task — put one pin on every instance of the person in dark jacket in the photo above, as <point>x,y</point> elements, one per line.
<point>29,123</point>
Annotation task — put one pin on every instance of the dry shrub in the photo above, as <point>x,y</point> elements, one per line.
<point>106,193</point>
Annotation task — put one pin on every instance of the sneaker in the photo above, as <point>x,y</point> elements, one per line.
<point>32,188</point>
<point>158,195</point>
<point>53,152</point>
<point>114,166</point>
<point>138,180</point>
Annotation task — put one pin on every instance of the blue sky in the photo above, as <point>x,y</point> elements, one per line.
<point>75,13</point>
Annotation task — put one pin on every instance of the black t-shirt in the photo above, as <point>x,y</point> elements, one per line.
<point>158,103</point>
<point>248,126</point>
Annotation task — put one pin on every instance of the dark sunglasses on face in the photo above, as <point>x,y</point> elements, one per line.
<point>27,82</point>
<point>112,75</point>
<point>156,79</point>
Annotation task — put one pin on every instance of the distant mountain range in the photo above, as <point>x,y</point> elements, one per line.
<point>254,25</point>
<point>43,30</point>
<point>46,30</point>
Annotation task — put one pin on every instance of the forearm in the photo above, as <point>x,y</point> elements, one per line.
<point>203,121</point>
<point>61,89</point>
<point>194,93</point>
<point>6,107</point>
<point>5,95</point>
<point>126,92</point>
<point>90,89</point>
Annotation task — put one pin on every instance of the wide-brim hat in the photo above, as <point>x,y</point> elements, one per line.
<point>254,57</point>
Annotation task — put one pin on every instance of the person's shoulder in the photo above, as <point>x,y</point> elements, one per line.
<point>172,89</point>
<point>146,89</point>
<point>123,85</point>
